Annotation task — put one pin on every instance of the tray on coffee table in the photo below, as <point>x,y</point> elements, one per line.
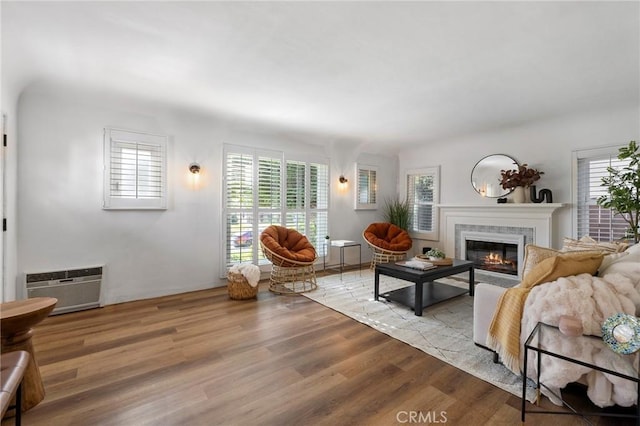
<point>447,261</point>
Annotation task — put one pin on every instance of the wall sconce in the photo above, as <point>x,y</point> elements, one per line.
<point>342,186</point>
<point>194,168</point>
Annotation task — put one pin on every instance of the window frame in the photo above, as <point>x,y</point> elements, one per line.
<point>113,136</point>
<point>434,171</point>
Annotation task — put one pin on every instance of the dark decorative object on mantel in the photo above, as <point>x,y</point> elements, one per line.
<point>544,195</point>
<point>502,201</point>
<point>523,176</point>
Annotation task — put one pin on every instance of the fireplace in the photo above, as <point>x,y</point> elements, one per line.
<point>494,253</point>
<point>494,257</point>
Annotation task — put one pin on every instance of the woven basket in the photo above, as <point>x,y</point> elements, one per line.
<point>239,288</point>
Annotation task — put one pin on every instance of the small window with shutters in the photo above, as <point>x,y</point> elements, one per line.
<point>367,190</point>
<point>597,222</point>
<point>135,170</point>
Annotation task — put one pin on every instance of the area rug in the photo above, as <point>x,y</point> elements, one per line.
<point>444,330</point>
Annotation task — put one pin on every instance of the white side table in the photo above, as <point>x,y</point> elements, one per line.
<point>341,244</point>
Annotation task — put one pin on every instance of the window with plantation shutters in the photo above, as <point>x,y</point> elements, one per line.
<point>422,196</point>
<point>597,222</point>
<point>307,205</point>
<point>135,170</point>
<point>239,190</point>
<point>296,180</point>
<point>367,190</point>
<point>261,188</point>
<point>269,183</point>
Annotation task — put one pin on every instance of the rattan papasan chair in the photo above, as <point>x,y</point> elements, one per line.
<point>389,242</point>
<point>292,256</point>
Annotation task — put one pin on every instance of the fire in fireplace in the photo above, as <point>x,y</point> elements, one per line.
<point>500,257</point>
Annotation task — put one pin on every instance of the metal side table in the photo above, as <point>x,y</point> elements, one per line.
<point>540,341</point>
<point>342,244</point>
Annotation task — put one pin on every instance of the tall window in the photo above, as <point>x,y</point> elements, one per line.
<point>591,219</point>
<point>135,175</point>
<point>262,189</point>
<point>423,195</point>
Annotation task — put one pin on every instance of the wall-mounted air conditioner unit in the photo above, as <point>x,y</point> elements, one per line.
<point>75,289</point>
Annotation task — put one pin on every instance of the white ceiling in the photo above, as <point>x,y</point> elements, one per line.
<point>377,72</point>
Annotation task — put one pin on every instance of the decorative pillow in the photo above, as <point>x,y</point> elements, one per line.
<point>563,265</point>
<point>535,254</point>
<point>627,263</point>
<point>635,248</point>
<point>609,260</point>
<point>587,243</point>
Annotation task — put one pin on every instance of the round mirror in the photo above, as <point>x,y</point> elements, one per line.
<point>485,176</point>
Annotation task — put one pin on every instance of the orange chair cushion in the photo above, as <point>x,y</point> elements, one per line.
<point>388,236</point>
<point>288,243</point>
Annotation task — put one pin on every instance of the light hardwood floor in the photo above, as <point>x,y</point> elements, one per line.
<point>202,359</point>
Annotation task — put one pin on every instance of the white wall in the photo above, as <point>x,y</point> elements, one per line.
<point>546,145</point>
<point>59,171</point>
<point>147,253</point>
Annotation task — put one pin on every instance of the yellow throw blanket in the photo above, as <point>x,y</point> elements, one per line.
<point>504,331</point>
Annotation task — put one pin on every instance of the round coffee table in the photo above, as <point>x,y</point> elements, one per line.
<point>17,320</point>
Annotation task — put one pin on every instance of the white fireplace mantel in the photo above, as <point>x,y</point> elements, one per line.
<point>508,208</point>
<point>539,217</point>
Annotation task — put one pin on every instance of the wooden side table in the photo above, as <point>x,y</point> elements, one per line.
<point>17,320</point>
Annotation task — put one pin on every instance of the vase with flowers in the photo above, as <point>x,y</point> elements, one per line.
<point>519,181</point>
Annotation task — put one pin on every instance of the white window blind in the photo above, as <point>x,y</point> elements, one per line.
<point>243,185</point>
<point>261,189</point>
<point>422,196</point>
<point>269,205</point>
<point>135,170</point>
<point>269,183</point>
<point>296,184</point>
<point>308,200</point>
<point>318,205</point>
<point>296,190</point>
<point>367,190</point>
<point>592,220</point>
<point>319,184</point>
<point>239,178</point>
